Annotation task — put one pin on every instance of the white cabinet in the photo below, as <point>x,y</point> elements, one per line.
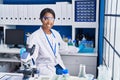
<point>58,14</point>
<point>69,14</point>
<point>9,59</point>
<point>22,14</point>
<point>73,61</point>
<point>85,18</point>
<point>1,14</point>
<point>30,14</point>
<point>9,55</point>
<point>63,13</point>
<point>6,14</point>
<point>14,15</point>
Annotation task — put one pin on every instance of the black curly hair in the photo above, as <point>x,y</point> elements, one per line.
<point>46,10</point>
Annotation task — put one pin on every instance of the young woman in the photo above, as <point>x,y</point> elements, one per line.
<point>48,43</point>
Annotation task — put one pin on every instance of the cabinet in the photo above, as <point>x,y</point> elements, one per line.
<point>63,13</point>
<point>9,59</point>
<point>85,21</point>
<point>73,61</point>
<point>85,15</point>
<point>29,14</point>
<point>9,55</point>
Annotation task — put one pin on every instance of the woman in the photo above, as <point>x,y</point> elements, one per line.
<point>48,43</point>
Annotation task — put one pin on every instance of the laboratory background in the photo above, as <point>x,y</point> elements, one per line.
<point>92,26</point>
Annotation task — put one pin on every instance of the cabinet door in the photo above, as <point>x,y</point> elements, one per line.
<point>72,63</point>
<point>1,14</point>
<point>30,14</point>
<point>7,14</point>
<point>69,14</point>
<point>36,14</point>
<point>64,13</point>
<point>58,14</point>
<point>13,14</point>
<point>20,14</point>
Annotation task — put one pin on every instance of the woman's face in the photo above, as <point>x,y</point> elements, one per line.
<point>48,21</point>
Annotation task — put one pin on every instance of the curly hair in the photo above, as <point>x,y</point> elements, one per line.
<point>46,10</point>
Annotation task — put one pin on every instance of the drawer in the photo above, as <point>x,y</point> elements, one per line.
<point>87,60</point>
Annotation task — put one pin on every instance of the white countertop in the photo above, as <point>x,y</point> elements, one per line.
<point>10,50</point>
<point>18,76</point>
<point>17,51</point>
<point>79,54</point>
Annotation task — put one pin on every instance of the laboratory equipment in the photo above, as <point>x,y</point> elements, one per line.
<point>28,66</point>
<point>82,71</point>
<point>104,73</point>
<point>86,46</point>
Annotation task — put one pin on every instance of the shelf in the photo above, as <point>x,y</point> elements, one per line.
<point>10,50</point>
<point>9,60</point>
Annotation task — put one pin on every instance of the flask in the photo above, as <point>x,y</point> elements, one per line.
<point>82,71</point>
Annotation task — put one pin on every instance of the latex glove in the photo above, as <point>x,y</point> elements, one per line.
<point>59,69</point>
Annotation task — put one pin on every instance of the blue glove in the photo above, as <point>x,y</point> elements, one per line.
<point>22,50</point>
<point>81,47</point>
<point>59,69</point>
<point>23,53</point>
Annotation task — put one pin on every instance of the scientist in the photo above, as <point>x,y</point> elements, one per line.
<point>48,44</point>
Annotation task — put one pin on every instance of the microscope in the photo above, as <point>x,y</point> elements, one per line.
<point>28,66</point>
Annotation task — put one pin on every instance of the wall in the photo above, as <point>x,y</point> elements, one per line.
<point>33,1</point>
<point>30,29</point>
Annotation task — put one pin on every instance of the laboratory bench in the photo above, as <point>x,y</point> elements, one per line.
<point>71,61</point>
<point>19,76</point>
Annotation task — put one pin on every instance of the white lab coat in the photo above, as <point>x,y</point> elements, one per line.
<point>43,54</point>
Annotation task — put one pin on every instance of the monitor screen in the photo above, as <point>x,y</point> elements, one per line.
<point>14,37</point>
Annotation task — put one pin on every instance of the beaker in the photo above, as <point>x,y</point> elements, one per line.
<point>82,71</point>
